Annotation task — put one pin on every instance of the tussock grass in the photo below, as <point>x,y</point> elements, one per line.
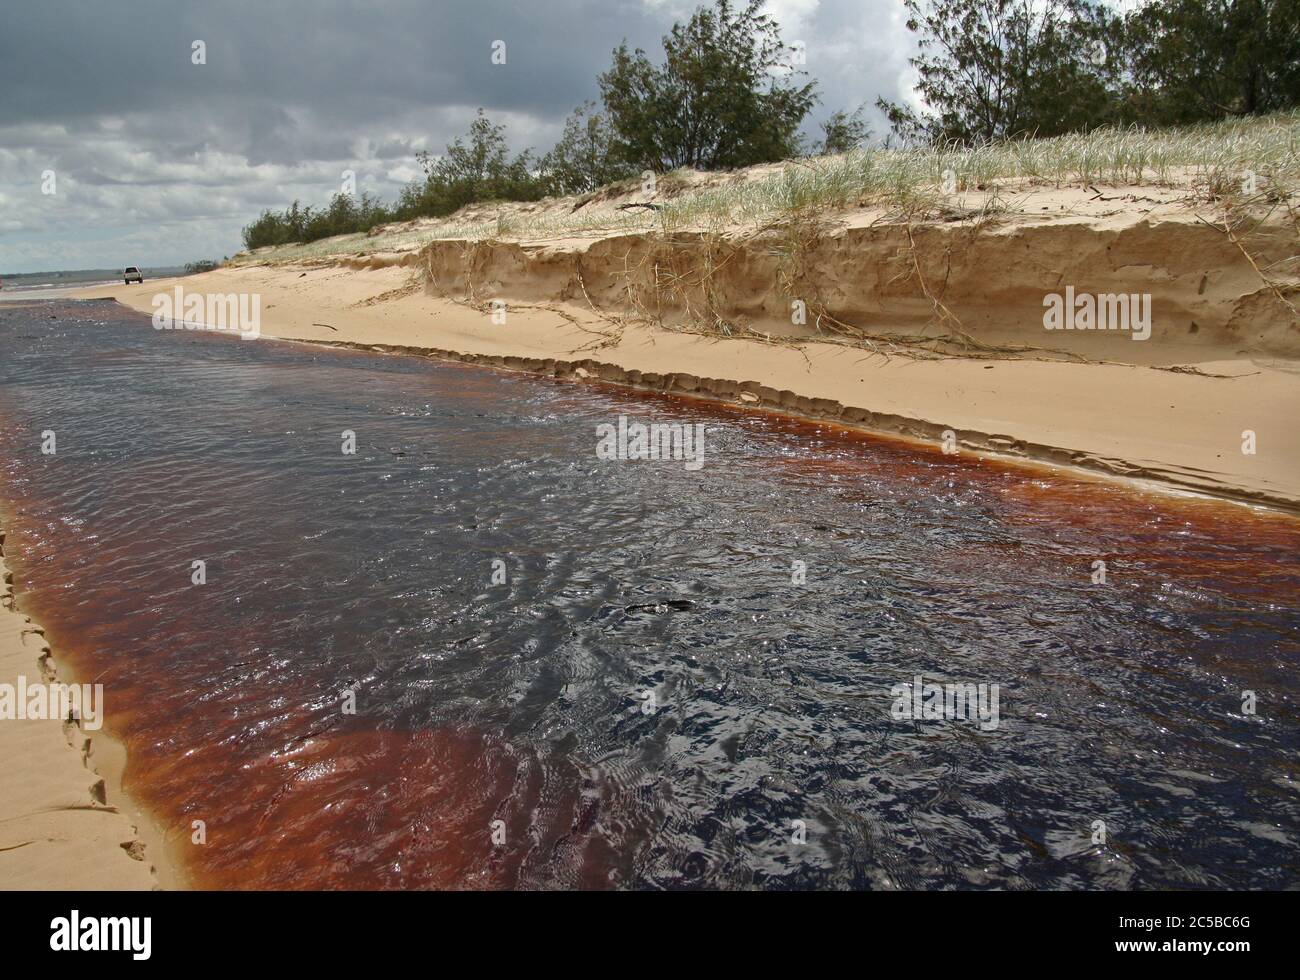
<point>1210,160</point>
<point>1214,157</point>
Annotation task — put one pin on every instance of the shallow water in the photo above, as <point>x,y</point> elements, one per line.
<point>771,757</point>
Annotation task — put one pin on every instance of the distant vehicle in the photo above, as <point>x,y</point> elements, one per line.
<point>132,273</point>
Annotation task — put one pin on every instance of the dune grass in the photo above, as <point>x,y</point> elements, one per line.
<point>1210,159</point>
<point>1216,157</point>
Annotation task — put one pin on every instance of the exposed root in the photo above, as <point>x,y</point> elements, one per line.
<point>1193,369</point>
<point>684,281</point>
<point>1229,228</point>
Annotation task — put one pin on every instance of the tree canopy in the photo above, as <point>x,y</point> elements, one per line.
<point>726,95</point>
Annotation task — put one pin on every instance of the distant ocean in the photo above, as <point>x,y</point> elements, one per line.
<point>22,281</point>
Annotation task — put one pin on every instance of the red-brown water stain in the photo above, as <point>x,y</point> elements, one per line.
<point>289,797</point>
<point>361,809</point>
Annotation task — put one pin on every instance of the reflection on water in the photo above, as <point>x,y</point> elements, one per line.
<point>648,700</point>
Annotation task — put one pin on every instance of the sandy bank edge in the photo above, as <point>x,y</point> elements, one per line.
<point>753,395</point>
<point>1124,421</point>
<point>65,821</point>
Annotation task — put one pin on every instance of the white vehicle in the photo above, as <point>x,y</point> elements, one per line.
<point>132,273</point>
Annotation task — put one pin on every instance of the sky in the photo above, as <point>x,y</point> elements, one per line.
<point>117,149</point>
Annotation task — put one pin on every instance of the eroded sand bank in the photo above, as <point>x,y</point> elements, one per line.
<point>1174,409</point>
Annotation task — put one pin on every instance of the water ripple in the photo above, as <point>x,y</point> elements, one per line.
<point>649,699</point>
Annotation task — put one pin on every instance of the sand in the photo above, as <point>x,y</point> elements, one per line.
<point>62,825</point>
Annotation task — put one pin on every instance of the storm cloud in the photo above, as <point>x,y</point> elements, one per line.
<point>157,160</point>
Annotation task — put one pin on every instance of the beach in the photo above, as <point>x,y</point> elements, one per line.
<point>735,446</point>
<point>1195,397</point>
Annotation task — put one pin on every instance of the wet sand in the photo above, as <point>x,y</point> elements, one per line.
<point>64,821</point>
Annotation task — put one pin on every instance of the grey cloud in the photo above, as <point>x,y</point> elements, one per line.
<point>295,91</point>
